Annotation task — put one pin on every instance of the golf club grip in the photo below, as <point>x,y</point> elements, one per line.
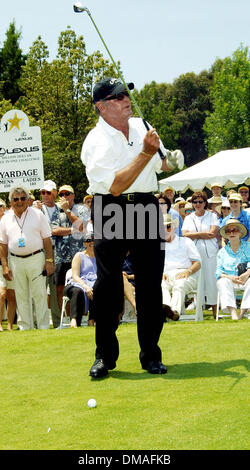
<point>159,150</point>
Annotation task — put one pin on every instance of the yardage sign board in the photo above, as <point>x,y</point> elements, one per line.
<point>21,158</point>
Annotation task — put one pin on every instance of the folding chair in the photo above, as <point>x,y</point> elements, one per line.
<point>238,290</point>
<point>65,319</point>
<point>198,316</point>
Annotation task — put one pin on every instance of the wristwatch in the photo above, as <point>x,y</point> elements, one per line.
<point>50,260</point>
<point>67,211</point>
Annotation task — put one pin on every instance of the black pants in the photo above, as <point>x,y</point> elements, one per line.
<point>147,258</point>
<point>77,303</point>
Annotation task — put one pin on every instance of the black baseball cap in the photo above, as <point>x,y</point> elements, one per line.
<point>109,86</point>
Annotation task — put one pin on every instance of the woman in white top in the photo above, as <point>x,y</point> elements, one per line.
<point>202,227</point>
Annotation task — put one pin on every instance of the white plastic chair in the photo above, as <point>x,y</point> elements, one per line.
<point>198,316</point>
<point>65,319</point>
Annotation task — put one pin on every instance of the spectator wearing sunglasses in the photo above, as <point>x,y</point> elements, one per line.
<point>233,268</point>
<point>244,192</point>
<point>235,201</point>
<point>202,227</point>
<point>182,262</point>
<point>25,236</point>
<point>122,162</point>
<point>50,209</point>
<point>68,228</point>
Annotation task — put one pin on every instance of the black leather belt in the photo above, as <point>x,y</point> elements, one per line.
<point>26,256</point>
<point>128,196</point>
<point>132,196</point>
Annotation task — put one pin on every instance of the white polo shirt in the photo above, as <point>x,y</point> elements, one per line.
<point>106,150</point>
<point>179,254</point>
<point>35,228</point>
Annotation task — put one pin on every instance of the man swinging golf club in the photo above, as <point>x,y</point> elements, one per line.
<point>121,162</point>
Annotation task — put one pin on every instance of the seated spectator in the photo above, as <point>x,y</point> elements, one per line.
<point>182,262</point>
<point>25,236</point>
<point>80,287</point>
<point>233,268</point>
<point>202,227</point>
<point>237,212</point>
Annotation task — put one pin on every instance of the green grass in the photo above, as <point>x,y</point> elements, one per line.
<point>201,403</point>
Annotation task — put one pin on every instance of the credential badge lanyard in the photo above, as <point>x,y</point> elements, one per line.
<point>21,240</point>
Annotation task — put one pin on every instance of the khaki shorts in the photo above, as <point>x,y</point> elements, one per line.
<point>4,282</point>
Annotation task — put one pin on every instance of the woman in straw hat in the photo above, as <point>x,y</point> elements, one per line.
<point>233,268</point>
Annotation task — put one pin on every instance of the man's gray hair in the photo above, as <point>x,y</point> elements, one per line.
<point>18,190</point>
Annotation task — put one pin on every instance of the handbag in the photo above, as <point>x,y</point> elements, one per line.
<point>241,268</point>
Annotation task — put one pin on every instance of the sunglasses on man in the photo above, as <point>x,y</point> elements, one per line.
<point>43,192</point>
<point>66,193</point>
<point>21,198</point>
<point>119,96</point>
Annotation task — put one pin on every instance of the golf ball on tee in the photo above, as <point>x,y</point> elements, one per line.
<point>92,403</point>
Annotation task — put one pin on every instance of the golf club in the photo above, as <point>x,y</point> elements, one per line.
<point>78,8</point>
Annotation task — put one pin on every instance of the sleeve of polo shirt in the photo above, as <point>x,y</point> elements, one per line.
<point>100,162</point>
<point>45,228</point>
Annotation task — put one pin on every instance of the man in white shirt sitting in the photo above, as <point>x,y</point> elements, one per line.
<point>182,262</point>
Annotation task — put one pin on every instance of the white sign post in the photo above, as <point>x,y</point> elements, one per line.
<point>21,158</point>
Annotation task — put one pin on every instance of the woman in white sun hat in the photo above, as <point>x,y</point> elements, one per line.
<point>233,268</point>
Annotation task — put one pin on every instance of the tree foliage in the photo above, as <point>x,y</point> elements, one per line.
<point>178,111</point>
<point>228,127</point>
<point>11,61</point>
<point>192,102</point>
<point>57,96</point>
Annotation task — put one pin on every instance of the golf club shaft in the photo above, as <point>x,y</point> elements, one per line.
<point>117,68</point>
<point>121,77</point>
